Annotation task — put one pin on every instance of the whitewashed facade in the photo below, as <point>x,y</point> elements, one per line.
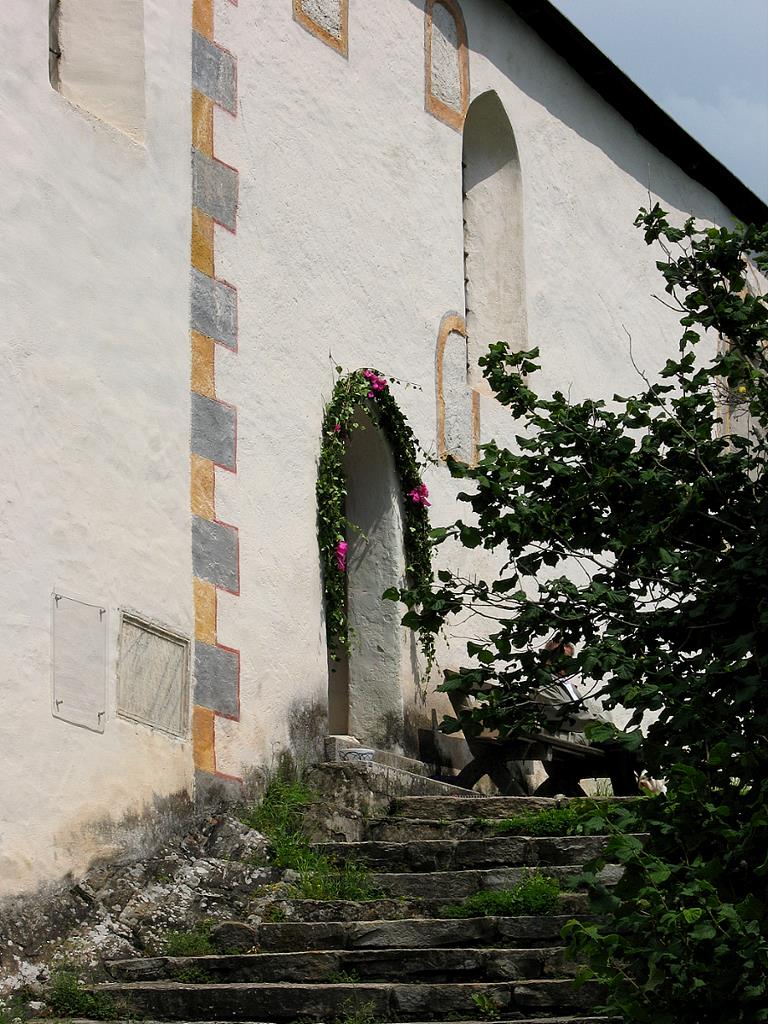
<point>161,601</point>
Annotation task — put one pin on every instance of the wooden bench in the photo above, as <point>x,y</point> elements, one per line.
<point>565,763</point>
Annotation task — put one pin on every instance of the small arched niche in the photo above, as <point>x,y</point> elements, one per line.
<point>366,691</point>
<point>494,270</point>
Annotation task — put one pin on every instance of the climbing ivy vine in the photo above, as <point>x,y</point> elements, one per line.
<point>367,391</point>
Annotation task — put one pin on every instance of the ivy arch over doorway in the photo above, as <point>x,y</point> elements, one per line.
<point>360,398</point>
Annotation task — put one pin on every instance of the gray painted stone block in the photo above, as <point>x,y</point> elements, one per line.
<point>214,189</point>
<point>216,673</point>
<point>214,553</point>
<point>214,309</point>
<point>214,72</point>
<point>214,428</point>
<point>215,790</point>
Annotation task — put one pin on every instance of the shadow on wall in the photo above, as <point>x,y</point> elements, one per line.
<point>136,835</point>
<point>573,102</point>
<point>307,729</point>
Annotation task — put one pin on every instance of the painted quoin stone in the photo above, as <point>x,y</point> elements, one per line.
<point>208,210</point>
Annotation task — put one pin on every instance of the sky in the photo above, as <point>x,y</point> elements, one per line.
<point>705,62</point>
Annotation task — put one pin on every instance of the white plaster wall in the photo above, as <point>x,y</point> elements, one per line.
<point>94,372</point>
<point>349,251</point>
<point>101,67</point>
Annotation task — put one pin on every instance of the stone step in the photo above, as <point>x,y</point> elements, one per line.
<point>528,1020</point>
<point>393,909</point>
<point>288,1001</point>
<point>415,933</point>
<point>448,808</point>
<point>434,965</point>
<point>411,830</point>
<point>457,854</point>
<point>450,886</point>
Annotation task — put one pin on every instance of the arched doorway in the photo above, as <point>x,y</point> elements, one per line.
<point>371,671</point>
<point>374,536</point>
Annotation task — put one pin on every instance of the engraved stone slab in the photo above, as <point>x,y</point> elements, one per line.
<point>79,654</point>
<point>152,676</point>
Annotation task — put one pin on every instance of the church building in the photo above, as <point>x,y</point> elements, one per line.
<point>221,218</point>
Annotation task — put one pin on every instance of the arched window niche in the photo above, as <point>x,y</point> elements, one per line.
<point>446,62</point>
<point>494,269</point>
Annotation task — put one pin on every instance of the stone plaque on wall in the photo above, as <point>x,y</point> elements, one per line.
<point>79,655</point>
<point>153,675</point>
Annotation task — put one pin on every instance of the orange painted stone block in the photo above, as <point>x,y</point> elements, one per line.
<point>205,611</point>
<point>202,242</point>
<point>202,17</point>
<point>204,739</point>
<point>203,366</point>
<point>202,123</point>
<point>202,487</point>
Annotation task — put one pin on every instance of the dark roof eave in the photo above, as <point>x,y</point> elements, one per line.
<point>645,116</point>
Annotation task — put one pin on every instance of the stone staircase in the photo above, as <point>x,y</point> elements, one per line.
<point>395,958</point>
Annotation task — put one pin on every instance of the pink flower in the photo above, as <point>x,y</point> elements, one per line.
<point>419,495</point>
<point>341,555</point>
<point>337,427</point>
<point>376,382</point>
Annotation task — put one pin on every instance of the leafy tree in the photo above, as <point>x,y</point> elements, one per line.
<point>637,529</point>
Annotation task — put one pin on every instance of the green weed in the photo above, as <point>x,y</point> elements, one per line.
<point>321,878</point>
<point>192,976</point>
<point>194,942</point>
<point>274,914</point>
<point>354,1012</point>
<point>68,998</point>
<point>344,978</point>
<point>487,1008</point>
<point>12,1009</point>
<point>279,817</point>
<point>579,817</point>
<point>537,894</point>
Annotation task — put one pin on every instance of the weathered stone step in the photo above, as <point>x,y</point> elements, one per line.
<point>451,886</point>
<point>435,965</point>
<point>528,1020</point>
<point>393,909</point>
<point>448,808</point>
<point>404,830</point>
<point>317,1002</point>
<point>456,854</point>
<point>416,933</point>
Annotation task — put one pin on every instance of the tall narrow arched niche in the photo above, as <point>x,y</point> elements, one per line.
<point>366,691</point>
<point>494,270</point>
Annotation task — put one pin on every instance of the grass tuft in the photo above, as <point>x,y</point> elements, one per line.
<point>354,1012</point>
<point>577,818</point>
<point>67,998</point>
<point>279,817</point>
<point>194,942</point>
<point>537,894</point>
